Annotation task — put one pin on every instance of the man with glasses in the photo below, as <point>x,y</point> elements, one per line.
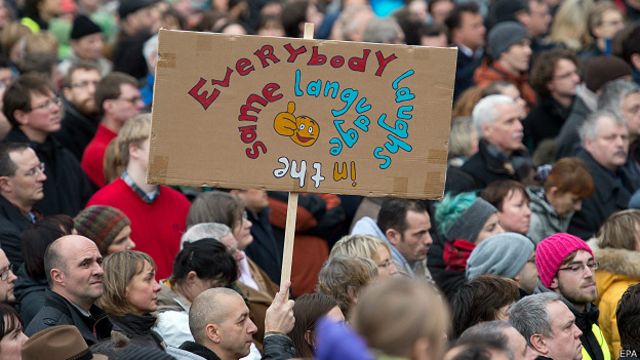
<point>80,121</point>
<point>34,112</point>
<point>555,78</point>
<point>117,99</point>
<point>566,266</point>
<point>21,186</point>
<point>7,278</point>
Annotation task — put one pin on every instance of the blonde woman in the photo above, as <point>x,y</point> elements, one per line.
<point>368,247</point>
<point>131,297</point>
<point>569,28</point>
<point>617,249</point>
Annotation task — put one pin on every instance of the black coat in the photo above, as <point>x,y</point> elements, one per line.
<point>465,67</point>
<point>612,193</point>
<point>12,224</point>
<point>199,350</point>
<point>128,57</point>
<point>487,166</point>
<point>67,189</point>
<point>77,130</point>
<point>30,294</point>
<point>568,140</point>
<point>544,121</point>
<point>138,329</point>
<point>276,347</point>
<point>264,249</point>
<point>58,311</point>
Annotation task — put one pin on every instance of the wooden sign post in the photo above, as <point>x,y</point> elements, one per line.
<point>301,115</point>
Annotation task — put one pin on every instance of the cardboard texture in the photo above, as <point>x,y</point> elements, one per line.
<point>301,115</point>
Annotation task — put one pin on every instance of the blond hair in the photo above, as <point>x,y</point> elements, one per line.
<point>134,132</point>
<point>619,231</point>
<point>364,246</point>
<point>569,26</point>
<point>393,314</point>
<point>119,269</point>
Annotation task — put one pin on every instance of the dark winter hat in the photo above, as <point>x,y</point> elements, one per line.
<point>83,26</point>
<point>506,10</point>
<point>128,7</point>
<point>503,35</point>
<point>502,254</point>
<point>602,69</point>
<point>101,224</point>
<point>469,224</point>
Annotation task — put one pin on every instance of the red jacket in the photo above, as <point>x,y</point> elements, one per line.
<point>93,157</point>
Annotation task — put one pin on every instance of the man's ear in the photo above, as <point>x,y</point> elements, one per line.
<point>554,283</point>
<point>57,276</point>
<point>21,117</point>
<point>539,344</point>
<point>5,186</point>
<point>213,333</point>
<point>393,236</point>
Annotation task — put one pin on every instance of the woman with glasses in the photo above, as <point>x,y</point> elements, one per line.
<point>617,249</point>
<point>368,247</point>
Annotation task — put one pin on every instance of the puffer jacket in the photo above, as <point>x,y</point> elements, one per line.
<point>618,269</point>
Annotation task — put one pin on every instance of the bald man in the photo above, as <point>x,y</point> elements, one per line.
<point>222,330</point>
<point>74,272</point>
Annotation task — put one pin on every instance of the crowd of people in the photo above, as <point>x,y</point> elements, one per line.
<point>532,253</point>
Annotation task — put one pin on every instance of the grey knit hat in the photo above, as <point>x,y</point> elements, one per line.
<point>503,35</point>
<point>470,223</point>
<point>502,254</point>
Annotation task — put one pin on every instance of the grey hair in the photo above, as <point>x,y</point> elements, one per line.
<point>485,110</point>
<point>150,47</point>
<point>589,129</point>
<point>205,230</point>
<point>207,308</point>
<point>614,93</point>
<point>529,316</point>
<point>382,31</point>
<point>490,333</point>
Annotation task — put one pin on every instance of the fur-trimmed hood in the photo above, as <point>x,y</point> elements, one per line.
<point>616,261</point>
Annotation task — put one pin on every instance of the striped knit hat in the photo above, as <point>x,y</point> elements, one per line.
<point>101,224</point>
<point>551,252</point>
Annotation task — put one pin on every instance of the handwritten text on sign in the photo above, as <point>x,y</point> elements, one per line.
<point>329,116</point>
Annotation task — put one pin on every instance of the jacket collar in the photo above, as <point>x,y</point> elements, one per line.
<point>198,349</point>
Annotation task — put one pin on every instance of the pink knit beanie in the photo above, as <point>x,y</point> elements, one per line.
<point>551,252</point>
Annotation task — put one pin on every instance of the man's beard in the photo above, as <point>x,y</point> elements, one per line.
<point>86,108</point>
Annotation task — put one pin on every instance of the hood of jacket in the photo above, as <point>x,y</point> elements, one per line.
<point>614,265</point>
<point>170,300</point>
<point>25,285</point>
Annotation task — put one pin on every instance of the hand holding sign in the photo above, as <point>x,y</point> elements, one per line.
<point>279,316</point>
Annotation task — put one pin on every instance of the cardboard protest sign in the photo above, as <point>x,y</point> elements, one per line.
<point>301,115</point>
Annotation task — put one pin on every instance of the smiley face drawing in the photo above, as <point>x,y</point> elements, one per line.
<point>302,130</point>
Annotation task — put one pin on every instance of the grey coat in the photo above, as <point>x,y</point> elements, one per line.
<point>544,219</point>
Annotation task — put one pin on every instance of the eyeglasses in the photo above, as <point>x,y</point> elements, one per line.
<point>4,275</point>
<point>578,267</point>
<point>134,100</point>
<point>386,264</point>
<point>84,84</point>
<point>47,104</point>
<point>35,171</point>
<point>566,75</point>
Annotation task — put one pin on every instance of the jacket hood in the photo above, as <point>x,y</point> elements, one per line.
<point>26,285</point>
<point>368,226</point>
<point>614,265</point>
<point>169,300</point>
<point>617,261</point>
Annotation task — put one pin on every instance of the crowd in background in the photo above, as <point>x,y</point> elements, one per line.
<point>534,251</point>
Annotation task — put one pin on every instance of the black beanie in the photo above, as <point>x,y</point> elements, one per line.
<point>83,26</point>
